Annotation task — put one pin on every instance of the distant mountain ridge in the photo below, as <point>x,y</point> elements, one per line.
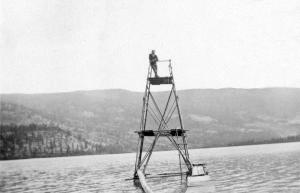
<point>214,117</point>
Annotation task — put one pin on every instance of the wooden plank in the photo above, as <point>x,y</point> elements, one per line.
<point>145,186</point>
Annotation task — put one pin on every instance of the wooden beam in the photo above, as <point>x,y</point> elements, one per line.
<point>145,186</point>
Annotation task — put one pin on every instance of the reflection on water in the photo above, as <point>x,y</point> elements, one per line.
<point>261,168</point>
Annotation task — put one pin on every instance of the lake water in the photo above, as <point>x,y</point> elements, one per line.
<point>258,168</point>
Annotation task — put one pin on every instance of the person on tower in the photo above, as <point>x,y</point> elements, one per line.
<point>153,59</point>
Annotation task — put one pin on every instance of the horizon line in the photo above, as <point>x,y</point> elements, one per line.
<point>110,89</point>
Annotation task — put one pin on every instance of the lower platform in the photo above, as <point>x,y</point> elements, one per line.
<point>172,132</point>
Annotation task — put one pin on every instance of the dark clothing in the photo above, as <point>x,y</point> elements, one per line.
<point>153,59</point>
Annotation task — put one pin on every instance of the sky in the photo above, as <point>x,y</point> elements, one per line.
<point>66,45</point>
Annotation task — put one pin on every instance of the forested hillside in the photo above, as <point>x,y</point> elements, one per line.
<point>42,141</point>
<point>214,117</point>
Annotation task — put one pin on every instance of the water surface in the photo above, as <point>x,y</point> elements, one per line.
<point>258,168</point>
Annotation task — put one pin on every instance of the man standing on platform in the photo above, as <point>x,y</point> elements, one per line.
<point>153,59</point>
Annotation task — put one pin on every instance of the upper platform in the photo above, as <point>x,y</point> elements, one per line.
<point>161,80</point>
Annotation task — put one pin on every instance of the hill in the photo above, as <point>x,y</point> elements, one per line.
<point>214,117</point>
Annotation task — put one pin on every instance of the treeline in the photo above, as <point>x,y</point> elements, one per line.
<point>31,141</point>
<point>273,140</point>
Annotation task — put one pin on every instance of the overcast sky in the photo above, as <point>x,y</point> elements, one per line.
<point>66,45</point>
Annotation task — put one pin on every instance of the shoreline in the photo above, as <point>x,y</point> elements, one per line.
<point>57,156</point>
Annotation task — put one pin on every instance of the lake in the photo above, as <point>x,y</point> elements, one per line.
<point>258,168</point>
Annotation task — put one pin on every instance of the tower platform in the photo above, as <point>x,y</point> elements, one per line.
<point>171,132</point>
<point>161,80</point>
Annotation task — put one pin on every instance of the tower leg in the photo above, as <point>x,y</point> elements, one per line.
<point>139,157</point>
<point>150,152</point>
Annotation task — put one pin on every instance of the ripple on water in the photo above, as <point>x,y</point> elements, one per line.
<point>265,168</point>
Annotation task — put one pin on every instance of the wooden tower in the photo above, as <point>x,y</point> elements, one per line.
<point>161,117</point>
